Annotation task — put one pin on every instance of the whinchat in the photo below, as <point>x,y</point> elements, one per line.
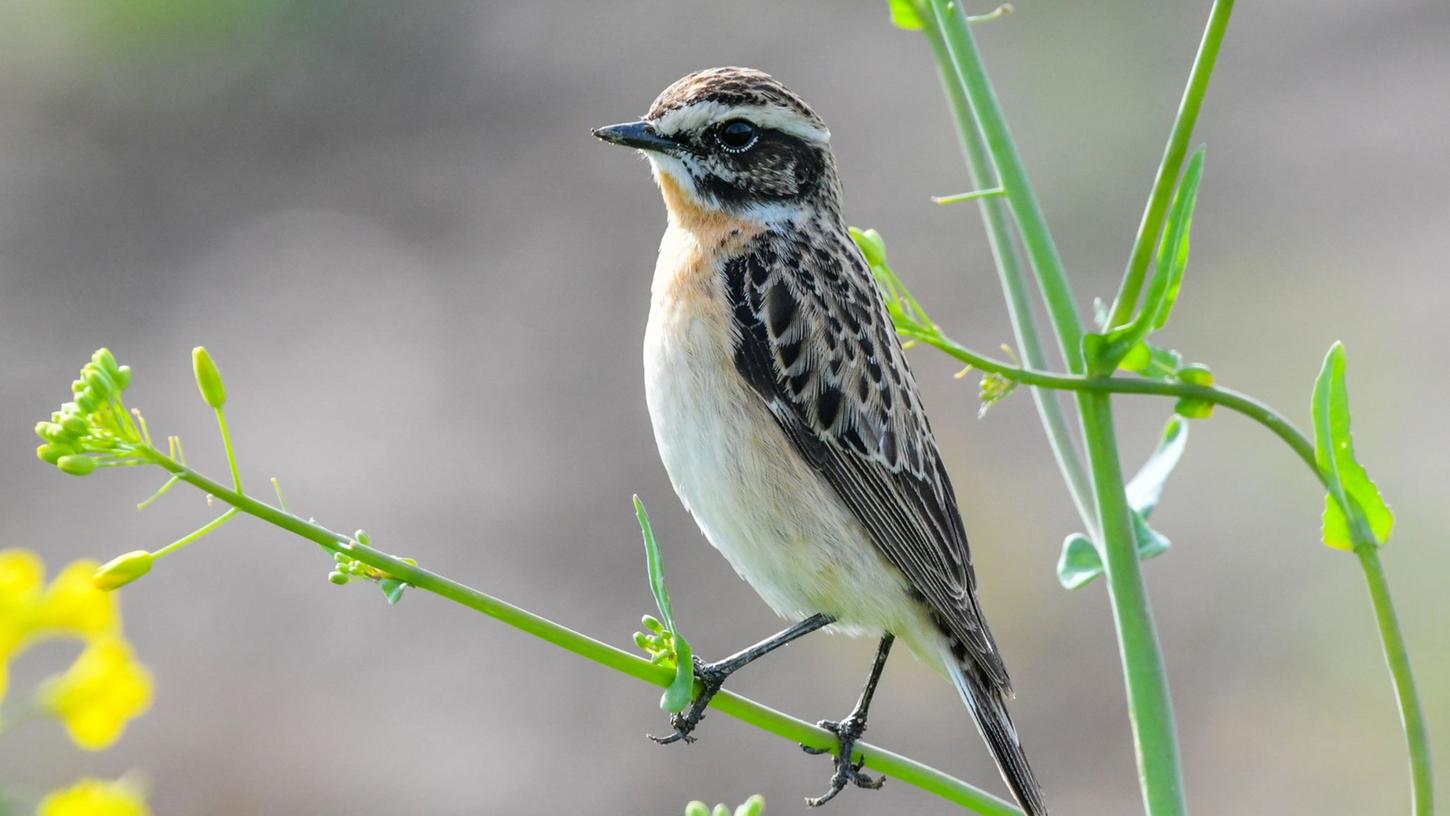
<point>784,410</point>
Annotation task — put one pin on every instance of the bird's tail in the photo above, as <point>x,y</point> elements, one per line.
<point>984,700</point>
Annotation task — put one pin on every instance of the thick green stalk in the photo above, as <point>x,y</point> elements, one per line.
<point>1146,680</point>
<point>1168,169</point>
<point>744,709</point>
<point>1150,706</point>
<point>1397,657</point>
<point>1014,289</point>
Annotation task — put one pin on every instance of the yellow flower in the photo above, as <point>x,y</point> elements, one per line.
<point>95,698</point>
<point>70,606</point>
<point>21,574</point>
<point>96,797</point>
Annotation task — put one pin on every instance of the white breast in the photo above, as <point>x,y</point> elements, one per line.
<point>775,519</point>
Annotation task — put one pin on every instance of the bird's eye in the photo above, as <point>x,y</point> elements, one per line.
<point>737,135</point>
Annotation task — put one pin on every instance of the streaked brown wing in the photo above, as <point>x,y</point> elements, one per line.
<point>815,341</point>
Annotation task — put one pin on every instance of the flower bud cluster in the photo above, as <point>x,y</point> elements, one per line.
<point>348,568</point>
<point>656,641</point>
<point>94,429</point>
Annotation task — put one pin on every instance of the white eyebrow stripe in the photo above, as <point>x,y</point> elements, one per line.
<point>695,117</point>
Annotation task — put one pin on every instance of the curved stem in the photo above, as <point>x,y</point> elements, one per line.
<point>1014,288</point>
<point>1397,657</point>
<point>742,708</point>
<point>1172,163</point>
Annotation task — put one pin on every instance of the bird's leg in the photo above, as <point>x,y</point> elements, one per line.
<point>849,730</point>
<point>712,675</point>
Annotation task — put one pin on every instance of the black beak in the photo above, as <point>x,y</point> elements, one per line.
<point>639,135</point>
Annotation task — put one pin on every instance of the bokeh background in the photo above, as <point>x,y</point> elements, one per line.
<point>427,286</point>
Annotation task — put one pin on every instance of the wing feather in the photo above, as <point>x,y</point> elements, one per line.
<point>814,340</point>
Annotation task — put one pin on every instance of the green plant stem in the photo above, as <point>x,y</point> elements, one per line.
<point>975,195</point>
<point>221,421</point>
<point>1397,657</point>
<point>1227,397</point>
<point>1172,163</point>
<point>1150,705</point>
<point>744,709</point>
<point>1146,680</point>
<point>1009,269</point>
<point>197,534</point>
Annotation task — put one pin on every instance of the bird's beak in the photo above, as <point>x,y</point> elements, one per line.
<point>639,135</point>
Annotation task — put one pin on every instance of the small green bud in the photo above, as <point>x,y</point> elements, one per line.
<point>1195,374</point>
<point>642,641</point>
<point>76,465</point>
<point>105,360</point>
<point>123,377</point>
<point>75,426</point>
<point>697,809</point>
<point>338,578</point>
<point>208,379</point>
<point>77,386</point>
<point>51,453</point>
<point>87,402</point>
<point>362,538</point>
<point>1190,408</point>
<point>720,810</point>
<point>651,623</point>
<point>122,570</point>
<point>753,806</point>
<point>98,382</point>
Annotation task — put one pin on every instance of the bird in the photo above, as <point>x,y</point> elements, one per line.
<point>786,415</point>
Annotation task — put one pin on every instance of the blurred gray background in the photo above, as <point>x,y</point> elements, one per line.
<point>427,285</point>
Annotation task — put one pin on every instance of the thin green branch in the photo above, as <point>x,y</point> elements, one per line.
<point>1164,183</point>
<point>1014,289</point>
<point>1397,657</point>
<point>975,195</point>
<point>221,421</point>
<point>197,534</point>
<point>744,709</point>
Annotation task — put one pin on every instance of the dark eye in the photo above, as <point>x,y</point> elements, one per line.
<point>737,135</point>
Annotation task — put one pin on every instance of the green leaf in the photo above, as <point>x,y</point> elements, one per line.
<point>1354,510</point>
<point>1173,250</point>
<point>393,589</point>
<point>1152,362</point>
<point>1079,562</point>
<point>682,690</point>
<point>905,15</point>
<point>1103,353</point>
<point>1146,486</point>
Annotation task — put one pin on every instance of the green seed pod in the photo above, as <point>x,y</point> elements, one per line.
<point>338,578</point>
<point>76,465</point>
<point>208,379</point>
<point>122,570</point>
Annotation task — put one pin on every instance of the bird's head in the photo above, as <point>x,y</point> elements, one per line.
<point>734,141</point>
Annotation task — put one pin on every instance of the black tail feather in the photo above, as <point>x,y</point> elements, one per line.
<point>988,708</point>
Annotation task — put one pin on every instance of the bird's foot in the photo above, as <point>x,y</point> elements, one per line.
<point>711,678</point>
<point>847,732</point>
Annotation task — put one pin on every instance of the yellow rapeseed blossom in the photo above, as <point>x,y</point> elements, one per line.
<point>104,689</point>
<point>69,607</point>
<point>96,797</point>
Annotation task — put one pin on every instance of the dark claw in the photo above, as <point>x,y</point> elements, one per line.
<point>711,679</point>
<point>846,771</point>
